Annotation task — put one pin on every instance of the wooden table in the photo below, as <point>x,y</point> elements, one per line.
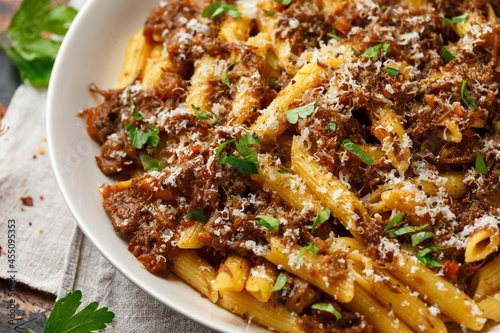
<point>32,307</point>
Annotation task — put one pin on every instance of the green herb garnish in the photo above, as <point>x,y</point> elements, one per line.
<point>405,230</point>
<point>328,308</point>
<point>197,215</point>
<point>293,115</point>
<point>420,237</point>
<point>398,217</point>
<point>466,96</point>
<point>135,114</point>
<point>480,164</point>
<point>333,34</point>
<point>64,317</point>
<point>356,150</point>
<point>224,77</point>
<point>249,164</point>
<point>33,52</point>
<point>271,223</point>
<point>423,256</point>
<point>150,163</point>
<point>446,55</point>
<point>283,170</point>
<point>456,19</point>
<point>321,218</point>
<point>379,267</point>
<point>284,2</point>
<point>383,7</point>
<point>392,71</point>
<point>272,80</point>
<point>205,115</point>
<point>332,126</point>
<point>356,53</point>
<point>217,9</point>
<point>269,13</point>
<point>280,283</point>
<point>311,247</point>
<point>140,138</point>
<point>372,52</point>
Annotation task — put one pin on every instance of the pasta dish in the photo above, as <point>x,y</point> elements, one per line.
<point>313,166</point>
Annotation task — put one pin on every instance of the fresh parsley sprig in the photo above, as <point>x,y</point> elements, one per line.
<point>328,308</point>
<point>197,215</point>
<point>32,52</point>
<point>271,223</point>
<point>217,9</point>
<point>321,218</point>
<point>64,317</point>
<point>356,150</point>
<point>249,164</point>
<point>293,115</point>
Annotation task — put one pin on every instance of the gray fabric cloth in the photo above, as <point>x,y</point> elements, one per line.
<point>52,254</point>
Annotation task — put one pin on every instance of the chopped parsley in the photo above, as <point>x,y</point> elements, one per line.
<point>31,48</point>
<point>293,115</point>
<point>332,126</point>
<point>372,52</point>
<point>280,283</point>
<point>135,114</point>
<point>327,307</point>
<point>197,215</point>
<point>405,230</point>
<point>321,218</point>
<point>217,9</point>
<point>140,138</point>
<point>333,34</point>
<point>420,237</point>
<point>398,217</point>
<point>269,13</point>
<point>480,164</point>
<point>271,223</point>
<point>249,164</point>
<point>283,170</point>
<point>356,150</point>
<point>311,247</point>
<point>150,163</point>
<point>456,19</point>
<point>65,318</point>
<point>466,96</point>
<point>392,71</point>
<point>224,77</point>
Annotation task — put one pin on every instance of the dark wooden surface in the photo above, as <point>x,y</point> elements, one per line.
<point>32,307</point>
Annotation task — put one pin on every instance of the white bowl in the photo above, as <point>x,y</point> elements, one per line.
<point>93,51</point>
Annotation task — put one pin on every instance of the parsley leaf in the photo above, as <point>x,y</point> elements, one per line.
<point>392,71</point>
<point>280,283</point>
<point>89,319</point>
<point>456,19</point>
<point>480,164</point>
<point>328,308</point>
<point>293,115</point>
<point>424,257</point>
<point>321,218</point>
<point>466,96</point>
<point>269,13</point>
<point>150,163</point>
<point>372,52</point>
<point>197,215</point>
<point>446,55</point>
<point>383,7</point>
<point>217,9</point>
<point>283,170</point>
<point>200,114</point>
<point>249,165</point>
<point>140,138</point>
<point>420,237</point>
<point>33,54</point>
<point>272,80</point>
<point>332,126</point>
<point>356,150</point>
<point>310,247</point>
<point>405,230</point>
<point>333,34</point>
<point>398,217</point>
<point>224,77</point>
<point>135,114</point>
<point>269,222</point>
<point>284,2</point>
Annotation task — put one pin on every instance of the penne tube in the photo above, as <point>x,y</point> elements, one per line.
<point>198,94</point>
<point>261,280</point>
<point>486,280</point>
<point>156,65</point>
<point>232,274</point>
<point>138,50</point>
<point>481,244</point>
<point>491,306</point>
<point>188,237</point>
